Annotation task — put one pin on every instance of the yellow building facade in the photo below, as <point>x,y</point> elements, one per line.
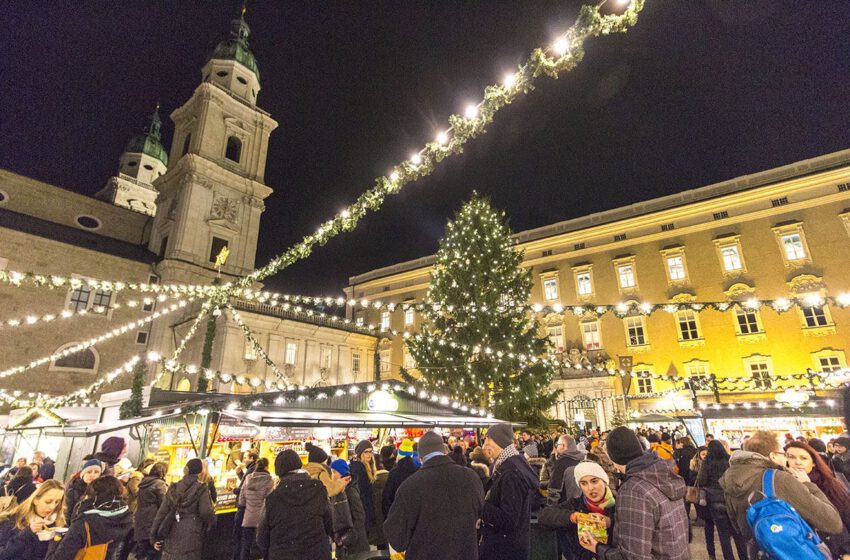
<point>780,233</point>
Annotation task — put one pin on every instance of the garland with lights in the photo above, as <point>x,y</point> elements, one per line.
<point>255,344</point>
<point>19,279</point>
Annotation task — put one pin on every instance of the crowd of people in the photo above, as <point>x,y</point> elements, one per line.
<point>618,495</point>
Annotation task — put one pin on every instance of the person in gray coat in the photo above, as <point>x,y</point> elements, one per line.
<point>435,511</point>
<point>255,487</point>
<point>184,518</point>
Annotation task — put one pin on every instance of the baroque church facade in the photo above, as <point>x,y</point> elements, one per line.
<point>163,218</point>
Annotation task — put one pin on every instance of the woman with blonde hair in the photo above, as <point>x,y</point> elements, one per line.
<point>23,527</point>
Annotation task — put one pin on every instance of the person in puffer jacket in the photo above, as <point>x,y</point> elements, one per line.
<point>255,488</point>
<point>105,514</point>
<point>151,492</point>
<point>650,520</point>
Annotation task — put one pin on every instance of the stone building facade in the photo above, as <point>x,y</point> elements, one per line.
<point>780,233</point>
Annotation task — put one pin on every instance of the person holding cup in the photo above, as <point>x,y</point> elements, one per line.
<point>27,530</point>
<point>593,511</point>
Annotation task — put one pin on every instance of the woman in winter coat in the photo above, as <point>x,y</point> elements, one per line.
<point>317,468</point>
<point>363,471</point>
<point>91,471</point>
<point>356,540</point>
<point>712,469</point>
<point>150,493</point>
<point>803,457</point>
<point>296,521</point>
<point>42,510</point>
<point>103,518</point>
<point>21,486</point>
<point>596,499</point>
<point>185,516</point>
<point>255,487</point>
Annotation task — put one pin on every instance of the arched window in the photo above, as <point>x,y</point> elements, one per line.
<point>184,385</point>
<point>234,149</point>
<point>186,142</point>
<point>85,360</point>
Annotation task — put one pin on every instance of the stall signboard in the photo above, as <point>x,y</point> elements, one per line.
<point>695,428</point>
<point>236,433</point>
<point>382,401</point>
<point>225,499</point>
<point>155,441</point>
<point>162,456</point>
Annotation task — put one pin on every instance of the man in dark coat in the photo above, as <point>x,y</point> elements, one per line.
<point>559,468</point>
<point>403,469</point>
<point>190,499</point>
<point>506,516</point>
<point>436,510</point>
<point>46,465</point>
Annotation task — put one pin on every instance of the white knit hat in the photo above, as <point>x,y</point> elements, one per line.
<point>589,468</point>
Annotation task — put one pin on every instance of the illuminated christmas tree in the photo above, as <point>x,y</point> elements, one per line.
<point>479,340</point>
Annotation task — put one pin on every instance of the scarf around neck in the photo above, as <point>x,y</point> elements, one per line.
<point>607,502</point>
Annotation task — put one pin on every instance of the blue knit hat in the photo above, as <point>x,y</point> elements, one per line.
<point>341,466</point>
<point>92,463</point>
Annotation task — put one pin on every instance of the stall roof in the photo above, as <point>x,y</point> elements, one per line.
<point>91,430</point>
<point>350,419</point>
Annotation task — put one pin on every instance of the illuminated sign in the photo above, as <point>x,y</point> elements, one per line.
<point>382,401</point>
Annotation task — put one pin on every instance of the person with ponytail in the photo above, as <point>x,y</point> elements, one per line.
<point>803,458</point>
<point>27,529</point>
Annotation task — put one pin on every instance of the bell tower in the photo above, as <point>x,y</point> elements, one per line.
<point>212,196</point>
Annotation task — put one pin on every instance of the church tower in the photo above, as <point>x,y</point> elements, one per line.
<point>212,196</point>
<point>144,160</point>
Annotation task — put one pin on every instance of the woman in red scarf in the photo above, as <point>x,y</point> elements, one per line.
<point>596,499</point>
<point>802,457</point>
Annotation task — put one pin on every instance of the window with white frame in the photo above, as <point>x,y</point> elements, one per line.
<point>698,374</point>
<point>676,267</point>
<point>792,243</point>
<point>688,324</point>
<point>814,317</point>
<point>730,254</point>
<point>409,316</point>
<point>590,335</point>
<point>556,337</point>
<point>644,385</point>
<point>355,363</point>
<point>385,361</point>
<point>626,275</point>
<point>291,353</point>
<point>731,258</point>
<point>79,299</point>
<point>747,321</point>
<point>250,353</point>
<point>584,283</point>
<point>550,288</point>
<point>385,320</point>
<point>760,370</point>
<point>325,357</point>
<point>635,331</point>
<point>84,297</point>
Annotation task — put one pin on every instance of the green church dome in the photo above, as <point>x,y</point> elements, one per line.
<point>235,47</point>
<point>150,140</point>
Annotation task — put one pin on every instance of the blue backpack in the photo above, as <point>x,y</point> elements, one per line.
<point>780,532</point>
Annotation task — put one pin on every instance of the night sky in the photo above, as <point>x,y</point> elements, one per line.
<point>698,92</point>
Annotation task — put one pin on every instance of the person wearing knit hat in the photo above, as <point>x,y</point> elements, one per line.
<point>194,466</point>
<point>318,469</point>
<point>650,517</point>
<point>840,461</point>
<point>296,521</point>
<point>595,502</point>
<point>341,467</point>
<point>91,471</point>
<point>435,511</point>
<point>184,540</point>
<point>506,516</point>
<point>363,471</point>
<point>404,468</point>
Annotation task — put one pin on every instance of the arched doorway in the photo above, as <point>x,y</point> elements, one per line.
<point>184,385</point>
<point>582,412</point>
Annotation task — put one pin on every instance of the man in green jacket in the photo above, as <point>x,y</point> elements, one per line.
<point>742,485</point>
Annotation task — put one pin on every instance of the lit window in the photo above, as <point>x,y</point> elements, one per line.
<point>829,363</point>
<point>409,315</point>
<point>760,371</point>
<point>747,321</point>
<point>590,335</point>
<point>644,384</point>
<point>584,284</point>
<point>385,320</point>
<point>550,289</point>
<point>688,327</point>
<point>355,363</point>
<point>698,375</point>
<point>635,331</point>
<point>815,317</point>
<point>556,337</point>
<point>676,267</point>
<point>626,274</point>
<point>731,258</point>
<point>291,353</point>
<point>793,245</point>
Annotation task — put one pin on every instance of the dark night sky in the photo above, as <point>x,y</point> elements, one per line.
<point>698,92</point>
